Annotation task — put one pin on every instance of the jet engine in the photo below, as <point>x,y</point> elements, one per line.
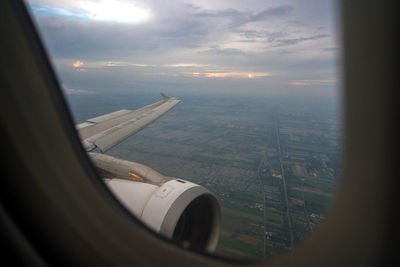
<point>182,211</point>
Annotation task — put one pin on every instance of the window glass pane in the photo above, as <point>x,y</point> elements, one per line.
<point>259,122</point>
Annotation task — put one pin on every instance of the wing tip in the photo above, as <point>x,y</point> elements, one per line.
<point>165,96</point>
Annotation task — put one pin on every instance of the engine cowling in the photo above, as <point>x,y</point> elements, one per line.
<point>182,211</point>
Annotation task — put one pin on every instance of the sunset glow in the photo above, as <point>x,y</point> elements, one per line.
<point>77,64</point>
<point>229,75</point>
<point>310,82</point>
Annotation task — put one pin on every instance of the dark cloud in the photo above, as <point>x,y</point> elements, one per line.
<point>329,49</point>
<point>92,40</point>
<point>225,51</point>
<point>285,42</point>
<point>248,41</point>
<point>263,34</point>
<point>272,12</point>
<point>240,18</point>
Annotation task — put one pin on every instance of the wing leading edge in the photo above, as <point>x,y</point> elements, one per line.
<point>110,129</point>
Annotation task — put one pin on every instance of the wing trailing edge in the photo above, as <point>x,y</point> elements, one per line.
<point>107,131</point>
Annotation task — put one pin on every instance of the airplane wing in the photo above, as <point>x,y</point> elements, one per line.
<point>169,206</point>
<point>110,129</point>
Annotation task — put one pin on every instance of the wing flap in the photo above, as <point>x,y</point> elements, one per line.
<point>111,129</point>
<point>106,117</point>
<point>109,116</point>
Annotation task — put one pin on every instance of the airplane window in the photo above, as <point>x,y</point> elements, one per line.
<point>241,154</point>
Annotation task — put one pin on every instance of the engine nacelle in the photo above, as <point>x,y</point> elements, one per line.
<point>182,211</point>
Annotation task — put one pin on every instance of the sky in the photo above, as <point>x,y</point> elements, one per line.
<point>248,47</point>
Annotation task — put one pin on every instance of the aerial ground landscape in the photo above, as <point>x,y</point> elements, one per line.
<point>272,162</point>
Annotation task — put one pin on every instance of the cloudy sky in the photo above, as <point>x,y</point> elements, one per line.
<point>252,47</point>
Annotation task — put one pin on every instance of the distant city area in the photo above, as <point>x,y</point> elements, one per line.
<point>272,162</point>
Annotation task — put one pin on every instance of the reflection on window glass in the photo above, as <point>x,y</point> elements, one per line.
<point>258,123</point>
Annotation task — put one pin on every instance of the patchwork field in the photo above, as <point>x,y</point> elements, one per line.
<point>273,167</point>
